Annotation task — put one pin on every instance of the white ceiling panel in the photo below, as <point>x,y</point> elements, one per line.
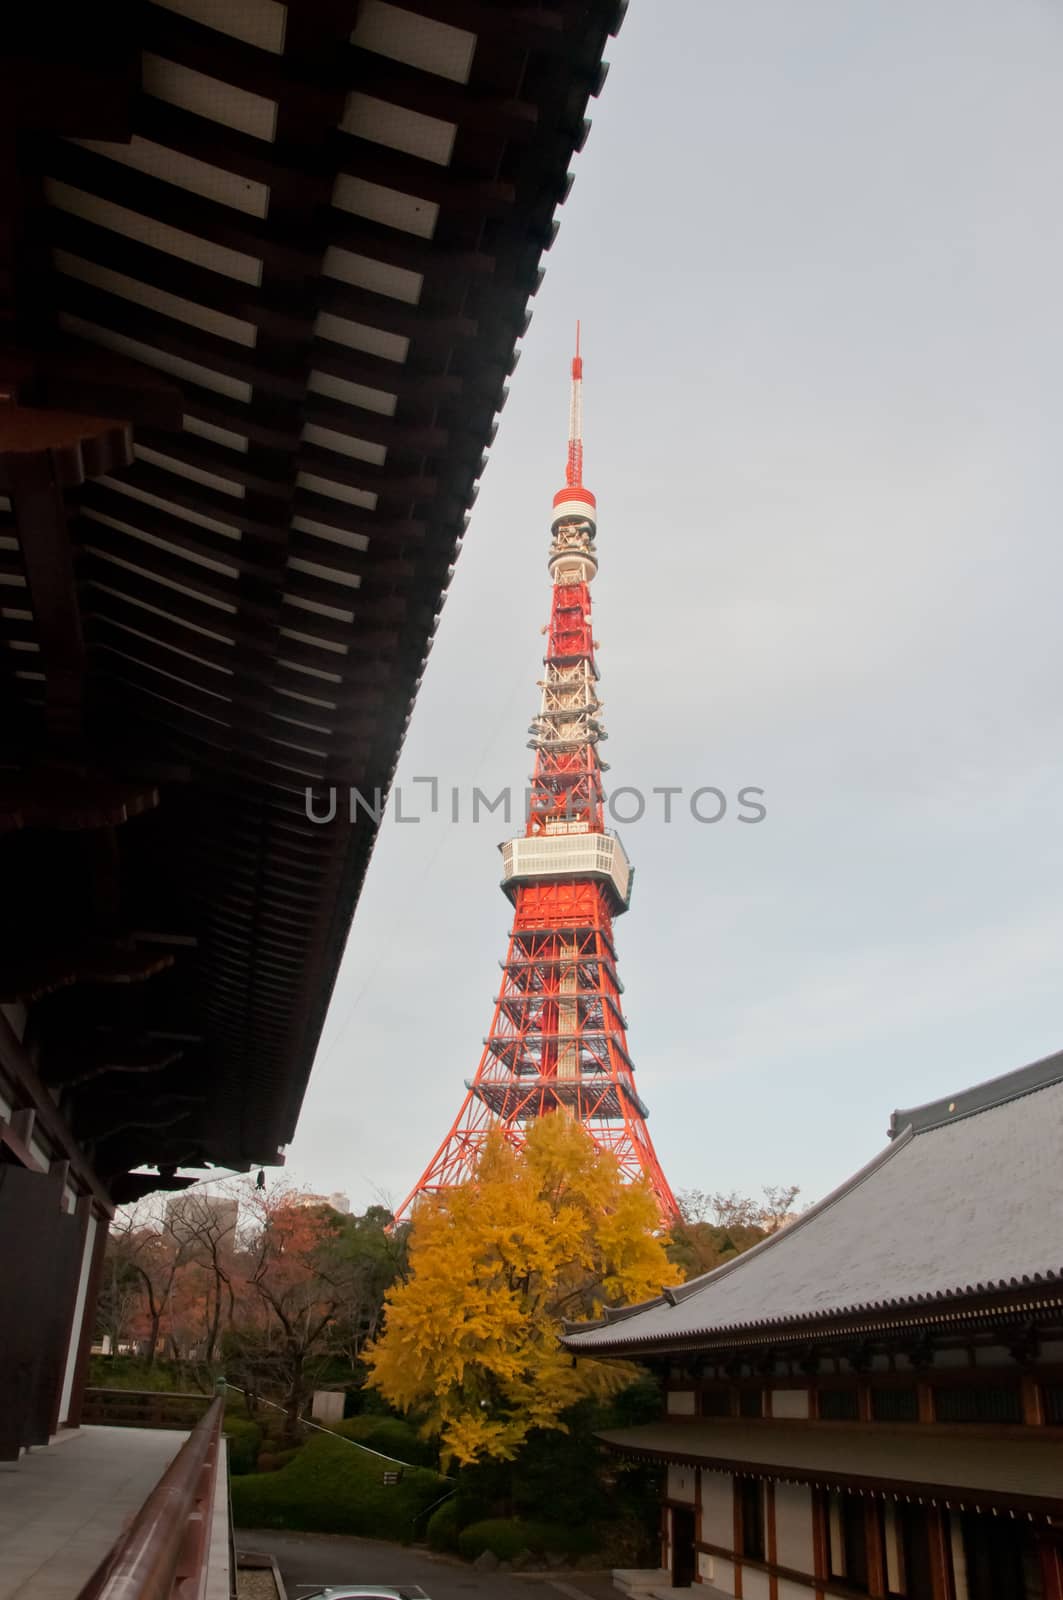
<point>418,41</point>
<point>380,277</point>
<point>359,336</point>
<point>209,97</point>
<point>145,294</point>
<point>344,444</point>
<point>258,22</point>
<point>185,172</point>
<point>413,132</point>
<point>156,235</point>
<point>390,207</point>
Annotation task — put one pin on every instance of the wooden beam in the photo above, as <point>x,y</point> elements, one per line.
<point>30,1088</point>
<point>70,1065</point>
<point>97,962</point>
<point>42,452</point>
<point>64,800</point>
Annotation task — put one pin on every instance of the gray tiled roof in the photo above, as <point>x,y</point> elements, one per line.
<point>964,1200</point>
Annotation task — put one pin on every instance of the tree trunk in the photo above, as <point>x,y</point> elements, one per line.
<point>294,1398</point>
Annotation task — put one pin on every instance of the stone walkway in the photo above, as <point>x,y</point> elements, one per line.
<point>62,1508</point>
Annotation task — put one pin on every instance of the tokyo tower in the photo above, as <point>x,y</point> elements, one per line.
<point>558,1036</point>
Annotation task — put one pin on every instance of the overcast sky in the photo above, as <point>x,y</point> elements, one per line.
<point>817,250</point>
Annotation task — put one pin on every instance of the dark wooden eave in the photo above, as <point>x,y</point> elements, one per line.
<point>276,285</point>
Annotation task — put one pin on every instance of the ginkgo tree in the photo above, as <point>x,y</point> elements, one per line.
<point>470,1343</point>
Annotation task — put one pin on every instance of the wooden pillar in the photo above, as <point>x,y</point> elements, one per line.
<point>88,1323</point>
<point>737,1534</point>
<point>820,1538</point>
<point>1050,1551</point>
<point>1032,1408</point>
<point>940,1554</point>
<point>772,1547</point>
<point>876,1550</point>
<point>83,1213</point>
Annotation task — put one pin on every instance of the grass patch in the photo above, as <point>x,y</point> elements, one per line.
<point>328,1487</point>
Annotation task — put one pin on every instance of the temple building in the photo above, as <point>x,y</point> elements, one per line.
<point>870,1402</point>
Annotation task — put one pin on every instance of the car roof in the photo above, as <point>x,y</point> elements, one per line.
<point>372,1591</point>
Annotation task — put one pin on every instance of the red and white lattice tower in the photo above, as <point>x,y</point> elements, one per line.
<point>558,1037</point>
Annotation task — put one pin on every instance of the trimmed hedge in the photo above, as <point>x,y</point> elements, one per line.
<point>441,1529</point>
<point>129,1372</point>
<point>506,1537</point>
<point>391,1436</point>
<point>274,1460</point>
<point>245,1440</point>
<point>328,1487</point>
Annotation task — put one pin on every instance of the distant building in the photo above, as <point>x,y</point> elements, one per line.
<point>192,1216</point>
<point>337,1200</point>
<point>870,1401</point>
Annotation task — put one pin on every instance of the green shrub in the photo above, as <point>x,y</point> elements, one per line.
<point>274,1460</point>
<point>245,1438</point>
<point>129,1372</point>
<point>329,1488</point>
<point>506,1537</point>
<point>441,1529</point>
<point>391,1436</point>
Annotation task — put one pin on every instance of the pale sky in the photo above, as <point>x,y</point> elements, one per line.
<point>817,250</point>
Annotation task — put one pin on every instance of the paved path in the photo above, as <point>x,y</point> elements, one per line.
<point>62,1507</point>
<point>307,1559</point>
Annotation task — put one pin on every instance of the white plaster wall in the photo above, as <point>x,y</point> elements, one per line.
<point>327,1405</point>
<point>717,1509</point>
<point>793,1527</point>
<point>681,1402</point>
<point>681,1484</point>
<point>79,1317</point>
<point>789,1402</point>
<point>788,1590</point>
<point>723,1574</point>
<point>756,1585</point>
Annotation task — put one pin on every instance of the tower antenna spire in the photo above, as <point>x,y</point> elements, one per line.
<point>558,1035</point>
<point>574,471</point>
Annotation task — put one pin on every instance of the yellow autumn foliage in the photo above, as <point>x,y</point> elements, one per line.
<point>470,1343</point>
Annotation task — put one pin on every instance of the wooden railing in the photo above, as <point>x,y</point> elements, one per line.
<point>164,1551</point>
<point>143,1408</point>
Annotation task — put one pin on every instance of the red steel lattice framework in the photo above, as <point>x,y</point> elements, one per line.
<point>558,1036</point>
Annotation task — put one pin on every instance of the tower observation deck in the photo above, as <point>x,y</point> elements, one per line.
<point>558,1036</point>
